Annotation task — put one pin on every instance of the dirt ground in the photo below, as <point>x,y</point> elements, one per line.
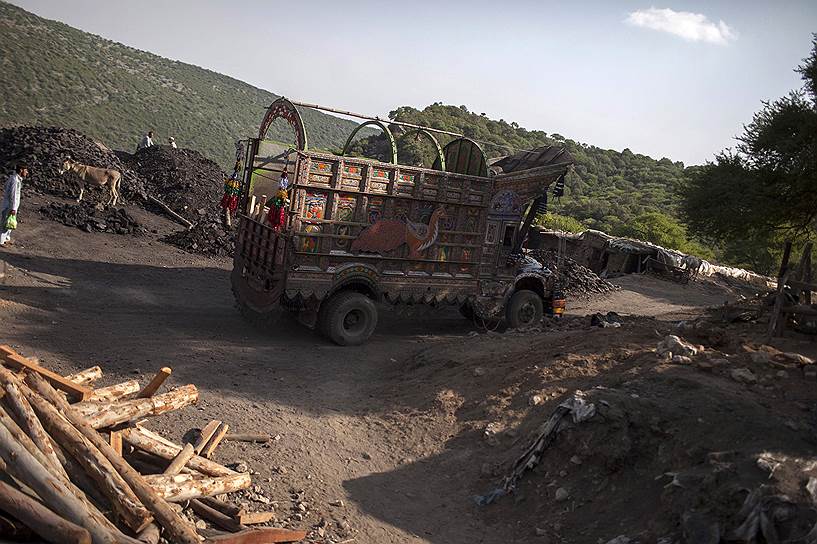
<point>407,429</point>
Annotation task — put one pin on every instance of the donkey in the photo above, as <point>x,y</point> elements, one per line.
<point>98,177</point>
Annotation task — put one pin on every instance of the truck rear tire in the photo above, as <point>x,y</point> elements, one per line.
<point>524,309</point>
<point>349,318</point>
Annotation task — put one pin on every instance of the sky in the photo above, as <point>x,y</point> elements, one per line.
<point>671,79</point>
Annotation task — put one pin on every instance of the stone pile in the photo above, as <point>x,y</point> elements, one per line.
<point>206,237</point>
<point>93,218</point>
<point>574,279</point>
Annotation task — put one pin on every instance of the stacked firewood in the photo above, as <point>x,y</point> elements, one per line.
<point>69,456</point>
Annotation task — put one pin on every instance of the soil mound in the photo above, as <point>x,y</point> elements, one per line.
<point>187,181</point>
<point>93,218</point>
<point>575,279</point>
<point>44,148</point>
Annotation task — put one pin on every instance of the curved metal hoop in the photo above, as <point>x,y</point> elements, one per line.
<point>439,163</point>
<point>385,130</point>
<point>284,109</point>
<point>464,156</point>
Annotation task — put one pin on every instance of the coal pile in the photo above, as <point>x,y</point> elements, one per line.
<point>187,181</point>
<point>44,149</point>
<point>93,218</point>
<point>574,279</point>
<point>208,238</point>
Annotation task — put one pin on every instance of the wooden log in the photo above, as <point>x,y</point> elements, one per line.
<point>27,419</point>
<point>259,536</point>
<point>180,460</point>
<point>254,518</point>
<point>150,442</point>
<point>218,436</point>
<point>101,415</point>
<point>120,495</point>
<point>177,530</point>
<point>154,385</point>
<point>27,443</point>
<point>225,508</point>
<point>206,434</point>
<point>87,376</point>
<point>14,529</point>
<point>40,519</point>
<point>183,487</point>
<point>14,360</point>
<point>52,490</point>
<point>214,516</point>
<point>113,392</point>
<point>116,442</point>
<point>150,534</point>
<point>248,437</point>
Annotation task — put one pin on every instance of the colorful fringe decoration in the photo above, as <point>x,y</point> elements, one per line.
<point>277,210</point>
<point>232,189</point>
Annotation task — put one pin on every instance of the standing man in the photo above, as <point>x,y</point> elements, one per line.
<point>172,142</point>
<point>146,142</point>
<point>11,200</point>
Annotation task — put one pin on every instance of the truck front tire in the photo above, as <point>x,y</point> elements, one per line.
<point>349,318</point>
<point>524,309</point>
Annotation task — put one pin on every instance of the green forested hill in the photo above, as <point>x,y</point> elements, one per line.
<point>619,192</point>
<point>53,74</point>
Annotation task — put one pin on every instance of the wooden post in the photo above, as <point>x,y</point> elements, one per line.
<point>40,519</point>
<point>206,434</point>
<point>215,441</point>
<point>97,466</point>
<point>15,360</point>
<point>214,516</point>
<point>184,487</point>
<point>177,530</point>
<point>113,392</point>
<point>89,375</point>
<point>157,381</point>
<point>180,460</point>
<point>247,437</point>
<point>52,490</point>
<point>27,419</point>
<point>784,262</point>
<point>101,415</point>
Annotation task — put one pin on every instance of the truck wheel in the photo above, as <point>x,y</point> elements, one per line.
<point>349,319</point>
<point>524,309</point>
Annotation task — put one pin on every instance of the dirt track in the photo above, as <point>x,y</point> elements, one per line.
<point>358,425</point>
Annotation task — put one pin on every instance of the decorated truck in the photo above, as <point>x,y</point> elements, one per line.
<point>332,238</point>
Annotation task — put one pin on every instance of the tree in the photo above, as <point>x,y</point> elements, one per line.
<point>767,187</point>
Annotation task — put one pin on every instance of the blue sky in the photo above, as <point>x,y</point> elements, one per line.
<point>673,79</point>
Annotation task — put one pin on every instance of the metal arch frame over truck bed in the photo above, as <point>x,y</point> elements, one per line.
<point>388,232</point>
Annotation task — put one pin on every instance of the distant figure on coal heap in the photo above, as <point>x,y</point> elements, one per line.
<point>172,142</point>
<point>11,202</point>
<point>146,142</point>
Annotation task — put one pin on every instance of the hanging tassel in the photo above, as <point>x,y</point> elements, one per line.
<point>559,188</point>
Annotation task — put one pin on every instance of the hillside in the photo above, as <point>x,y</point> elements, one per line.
<point>619,192</point>
<point>54,74</point>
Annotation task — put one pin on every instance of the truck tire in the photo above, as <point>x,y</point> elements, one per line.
<point>349,318</point>
<point>524,309</point>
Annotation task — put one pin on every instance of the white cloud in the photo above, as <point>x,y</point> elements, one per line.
<point>694,27</point>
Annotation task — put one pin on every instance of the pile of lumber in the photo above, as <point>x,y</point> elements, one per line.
<point>78,467</point>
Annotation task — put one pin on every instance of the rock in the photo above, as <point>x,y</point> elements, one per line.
<point>338,504</point>
<point>576,460</point>
<point>479,372</point>
<point>760,357</point>
<point>620,539</point>
<point>366,456</point>
<point>241,466</point>
<point>680,360</point>
<point>743,375</point>
<point>782,374</point>
<point>535,400</point>
<point>561,495</point>
<point>540,532</point>
<point>201,524</point>
<point>676,346</point>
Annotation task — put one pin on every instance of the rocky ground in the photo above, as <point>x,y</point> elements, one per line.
<point>392,442</point>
